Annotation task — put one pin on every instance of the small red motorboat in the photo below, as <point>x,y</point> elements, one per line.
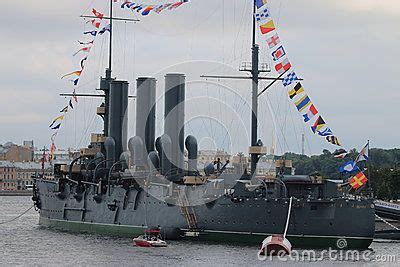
<point>275,245</point>
<point>151,238</point>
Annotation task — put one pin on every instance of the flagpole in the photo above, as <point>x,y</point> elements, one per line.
<point>111,38</point>
<point>369,171</point>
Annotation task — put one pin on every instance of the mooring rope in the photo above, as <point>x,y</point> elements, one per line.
<point>388,223</point>
<point>288,217</point>
<point>16,218</point>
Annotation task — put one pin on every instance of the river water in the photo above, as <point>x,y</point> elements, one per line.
<point>24,242</point>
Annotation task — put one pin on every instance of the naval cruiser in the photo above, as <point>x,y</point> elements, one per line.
<point>123,186</point>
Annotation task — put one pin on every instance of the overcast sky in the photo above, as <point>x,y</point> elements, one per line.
<point>346,50</point>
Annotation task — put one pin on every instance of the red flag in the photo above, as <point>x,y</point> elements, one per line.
<point>75,97</point>
<point>283,66</point>
<point>358,181</point>
<point>97,14</point>
<point>95,23</point>
<point>84,49</point>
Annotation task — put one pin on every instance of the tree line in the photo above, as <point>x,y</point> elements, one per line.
<point>383,172</point>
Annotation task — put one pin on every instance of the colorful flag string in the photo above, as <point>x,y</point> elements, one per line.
<point>145,9</point>
<point>282,65</point>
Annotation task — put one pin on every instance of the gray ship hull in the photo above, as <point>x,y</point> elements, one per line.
<point>336,223</point>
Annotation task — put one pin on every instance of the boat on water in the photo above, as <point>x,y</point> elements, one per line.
<point>111,191</point>
<point>387,210</point>
<point>151,238</point>
<point>275,245</point>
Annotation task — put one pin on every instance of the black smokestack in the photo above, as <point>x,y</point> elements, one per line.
<point>175,118</point>
<point>192,148</point>
<point>118,116</point>
<point>146,113</point>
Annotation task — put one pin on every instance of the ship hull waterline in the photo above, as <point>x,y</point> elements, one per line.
<point>130,231</point>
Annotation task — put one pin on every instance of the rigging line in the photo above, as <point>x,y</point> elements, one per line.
<point>305,130</point>
<point>274,121</point>
<point>76,111</point>
<point>86,130</point>
<point>212,134</point>
<point>241,115</point>
<point>279,13</point>
<point>294,127</point>
<point>281,143</point>
<point>235,107</point>
<point>234,23</point>
<point>88,7</point>
<point>242,26</point>
<point>124,58</point>
<point>19,216</point>
<point>192,33</point>
<point>223,31</point>
<point>191,131</point>
<point>285,126</point>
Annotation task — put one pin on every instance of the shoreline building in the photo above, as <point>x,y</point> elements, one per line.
<point>15,176</point>
<point>15,153</point>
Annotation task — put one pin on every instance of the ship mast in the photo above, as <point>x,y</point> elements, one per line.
<point>254,99</point>
<point>111,41</point>
<point>254,68</point>
<point>105,83</point>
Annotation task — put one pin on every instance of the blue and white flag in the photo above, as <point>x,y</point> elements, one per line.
<point>349,167</point>
<point>260,3</point>
<point>363,156</point>
<point>105,29</point>
<point>325,132</point>
<point>93,33</point>
<point>289,79</point>
<point>262,14</point>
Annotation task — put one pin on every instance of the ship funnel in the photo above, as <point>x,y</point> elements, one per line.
<point>105,86</point>
<point>136,147</point>
<point>146,113</point>
<point>109,145</point>
<point>175,119</point>
<point>192,148</point>
<point>118,115</point>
